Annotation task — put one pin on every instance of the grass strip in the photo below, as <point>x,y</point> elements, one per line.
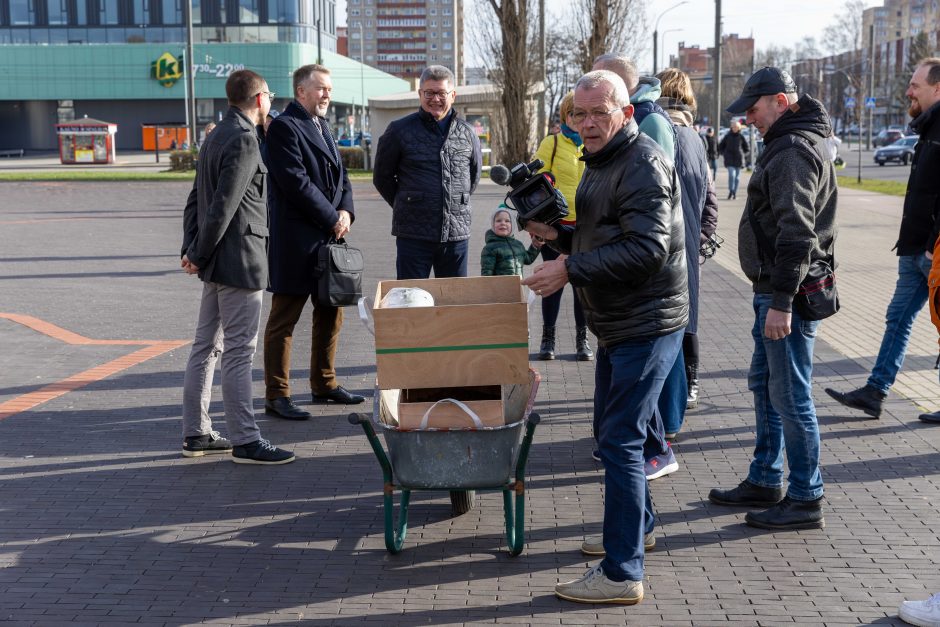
<point>892,188</point>
<point>123,176</point>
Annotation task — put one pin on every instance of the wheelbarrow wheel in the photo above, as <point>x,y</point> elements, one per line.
<point>461,501</point>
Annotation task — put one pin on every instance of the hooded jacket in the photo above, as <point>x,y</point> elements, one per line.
<point>920,221</point>
<point>793,195</point>
<point>658,127</point>
<point>566,166</point>
<point>627,260</point>
<point>505,255</point>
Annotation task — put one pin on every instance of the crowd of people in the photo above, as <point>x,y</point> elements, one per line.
<point>639,182</point>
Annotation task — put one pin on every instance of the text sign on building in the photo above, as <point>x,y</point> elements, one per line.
<point>167,69</point>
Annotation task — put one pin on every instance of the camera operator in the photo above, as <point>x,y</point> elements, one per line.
<point>627,263</point>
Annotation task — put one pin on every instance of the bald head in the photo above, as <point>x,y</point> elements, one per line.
<point>621,66</point>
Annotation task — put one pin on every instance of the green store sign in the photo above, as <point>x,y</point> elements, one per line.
<point>167,69</point>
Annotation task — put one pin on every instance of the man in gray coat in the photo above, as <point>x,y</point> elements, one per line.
<point>225,242</point>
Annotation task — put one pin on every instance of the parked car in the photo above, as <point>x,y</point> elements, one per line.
<point>887,137</point>
<point>901,151</point>
<point>346,141</point>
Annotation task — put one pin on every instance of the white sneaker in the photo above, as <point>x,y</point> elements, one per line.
<point>595,587</point>
<point>921,613</point>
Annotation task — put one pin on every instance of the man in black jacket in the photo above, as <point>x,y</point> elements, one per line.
<point>920,224</point>
<point>225,241</point>
<point>626,260</point>
<point>311,201</point>
<point>426,166</point>
<point>787,225</point>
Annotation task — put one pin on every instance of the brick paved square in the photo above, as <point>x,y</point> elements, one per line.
<point>103,522</point>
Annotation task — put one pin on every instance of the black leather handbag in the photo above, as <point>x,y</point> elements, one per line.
<point>339,274</point>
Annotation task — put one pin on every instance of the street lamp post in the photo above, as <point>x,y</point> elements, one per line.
<point>188,75</point>
<point>663,40</point>
<point>656,32</point>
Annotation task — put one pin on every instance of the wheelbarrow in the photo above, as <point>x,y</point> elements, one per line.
<point>458,460</point>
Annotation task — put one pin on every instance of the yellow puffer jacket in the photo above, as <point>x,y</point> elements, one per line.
<point>566,166</point>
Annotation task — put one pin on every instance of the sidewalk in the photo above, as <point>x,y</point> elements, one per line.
<point>124,162</point>
<point>103,522</point>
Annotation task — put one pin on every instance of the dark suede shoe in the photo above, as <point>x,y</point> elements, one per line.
<point>867,399</point>
<point>284,408</point>
<point>339,395</point>
<point>933,417</point>
<point>747,494</point>
<point>789,514</point>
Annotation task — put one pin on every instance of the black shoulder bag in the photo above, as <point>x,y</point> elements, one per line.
<point>338,270</point>
<point>818,297</point>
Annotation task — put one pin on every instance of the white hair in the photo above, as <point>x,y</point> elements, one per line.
<point>596,78</point>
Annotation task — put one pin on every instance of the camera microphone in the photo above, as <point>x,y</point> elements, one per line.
<point>499,174</point>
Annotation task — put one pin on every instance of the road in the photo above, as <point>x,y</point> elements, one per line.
<point>871,170</point>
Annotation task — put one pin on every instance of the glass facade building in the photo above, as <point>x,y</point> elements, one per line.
<point>163,21</point>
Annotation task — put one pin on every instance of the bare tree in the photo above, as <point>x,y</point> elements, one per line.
<point>509,57</point>
<point>563,70</point>
<point>844,34</point>
<point>601,26</point>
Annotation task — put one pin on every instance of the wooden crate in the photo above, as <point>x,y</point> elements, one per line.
<point>409,406</point>
<point>476,334</point>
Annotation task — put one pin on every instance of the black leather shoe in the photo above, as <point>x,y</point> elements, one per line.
<point>932,417</point>
<point>284,408</point>
<point>867,398</point>
<point>747,494</point>
<point>339,395</point>
<point>789,514</point>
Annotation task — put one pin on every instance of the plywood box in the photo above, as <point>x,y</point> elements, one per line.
<point>476,334</point>
<point>484,401</point>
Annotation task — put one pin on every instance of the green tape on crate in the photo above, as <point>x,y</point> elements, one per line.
<point>441,349</point>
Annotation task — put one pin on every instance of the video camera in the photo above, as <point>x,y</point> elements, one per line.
<point>533,195</point>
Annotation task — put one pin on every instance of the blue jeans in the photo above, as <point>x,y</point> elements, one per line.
<point>713,164</point>
<point>781,378</point>
<point>627,383</point>
<point>910,295</point>
<point>733,175</point>
<point>674,397</point>
<point>416,258</point>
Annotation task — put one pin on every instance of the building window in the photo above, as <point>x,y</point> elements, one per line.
<point>433,24</point>
<point>433,46</point>
<point>448,45</point>
<point>284,11</point>
<point>354,12</point>
<point>368,12</point>
<point>248,12</point>
<point>445,23</point>
<point>433,12</point>
<point>21,13</point>
<point>445,34</point>
<point>446,11</point>
<point>108,12</point>
<point>57,13</point>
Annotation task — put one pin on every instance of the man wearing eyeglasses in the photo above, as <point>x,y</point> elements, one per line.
<point>311,202</point>
<point>626,260</point>
<point>427,164</point>
<point>225,242</point>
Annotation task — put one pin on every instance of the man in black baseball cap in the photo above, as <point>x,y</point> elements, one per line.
<point>788,225</point>
<point>766,81</point>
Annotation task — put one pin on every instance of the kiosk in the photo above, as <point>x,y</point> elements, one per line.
<point>86,141</point>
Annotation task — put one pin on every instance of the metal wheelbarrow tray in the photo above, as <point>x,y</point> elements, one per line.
<point>461,460</point>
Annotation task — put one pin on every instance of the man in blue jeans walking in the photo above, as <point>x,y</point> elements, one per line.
<point>788,224</point>
<point>920,224</point>
<point>626,261</point>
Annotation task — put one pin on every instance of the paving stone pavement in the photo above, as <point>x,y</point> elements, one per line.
<point>103,522</point>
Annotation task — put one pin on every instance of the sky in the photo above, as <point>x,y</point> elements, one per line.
<point>780,23</point>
